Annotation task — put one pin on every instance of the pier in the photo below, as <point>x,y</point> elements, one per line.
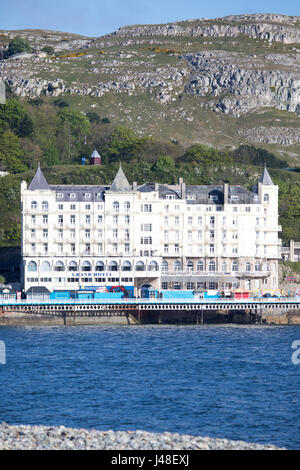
<point>158,311</point>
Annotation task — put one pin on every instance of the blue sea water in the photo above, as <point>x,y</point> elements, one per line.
<point>235,382</point>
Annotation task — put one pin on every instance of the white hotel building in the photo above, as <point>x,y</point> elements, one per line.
<point>152,236</point>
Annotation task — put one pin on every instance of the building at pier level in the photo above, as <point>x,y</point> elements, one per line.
<point>149,236</point>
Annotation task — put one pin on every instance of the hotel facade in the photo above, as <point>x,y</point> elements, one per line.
<point>150,236</point>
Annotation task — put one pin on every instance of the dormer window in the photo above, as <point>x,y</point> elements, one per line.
<point>170,196</point>
<point>213,198</point>
<point>234,198</point>
<point>60,195</point>
<point>191,197</point>
<point>72,195</point>
<point>87,195</point>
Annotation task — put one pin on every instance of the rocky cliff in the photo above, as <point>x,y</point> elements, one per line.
<point>234,66</point>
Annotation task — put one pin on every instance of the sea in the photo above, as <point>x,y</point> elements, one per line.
<point>226,381</point>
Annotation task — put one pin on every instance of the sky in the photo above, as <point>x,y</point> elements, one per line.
<point>98,17</point>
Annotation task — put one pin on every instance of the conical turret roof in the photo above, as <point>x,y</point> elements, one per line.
<point>39,181</point>
<point>120,183</point>
<point>265,178</point>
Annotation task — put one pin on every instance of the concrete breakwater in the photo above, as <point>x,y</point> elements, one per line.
<point>62,438</point>
<point>129,315</point>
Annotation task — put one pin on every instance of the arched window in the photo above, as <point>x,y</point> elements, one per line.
<point>116,206</point>
<point>235,266</point>
<point>177,266</point>
<point>126,206</point>
<point>140,266</point>
<point>266,197</point>
<point>153,266</point>
<point>73,266</point>
<point>190,266</point>
<point>32,266</point>
<point>45,206</point>
<point>248,267</point>
<point>212,266</point>
<point>99,266</point>
<point>126,266</point>
<point>33,205</point>
<point>200,266</point>
<point>164,267</point>
<point>113,266</point>
<point>86,266</point>
<point>45,266</point>
<point>257,266</point>
<point>59,266</point>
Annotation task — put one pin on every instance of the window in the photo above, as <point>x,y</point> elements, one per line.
<point>224,267</point>
<point>177,266</point>
<point>115,233</point>
<point>266,198</point>
<point>190,221</point>
<point>176,248</point>
<point>99,234</point>
<point>45,206</point>
<point>257,266</point>
<point>60,207</point>
<point>190,266</point>
<point>45,233</point>
<point>164,267</point>
<point>248,209</point>
<point>211,266</point>
<point>87,234</point>
<point>72,233</point>
<point>235,266</point>
<point>33,206</point>
<point>211,249</point>
<point>146,208</point>
<point>126,206</point>
<point>86,266</point>
<point>146,240</point>
<point>88,207</point>
<point>126,266</point>
<point>146,227</point>
<point>33,220</point>
<point>72,219</point>
<point>164,285</point>
<point>166,235</point>
<point>116,206</point>
<point>73,266</point>
<point>127,219</point>
<point>99,266</point>
<point>248,267</point>
<point>166,220</point>
<point>166,249</point>
<point>59,266</point>
<point>88,219</point>
<point>200,266</point>
<point>33,233</point>
<point>126,234</point>
<point>73,207</point>
<point>140,266</point>
<point>60,220</point>
<point>100,219</point>
<point>212,221</point>
<point>32,266</point>
<point>115,220</point>
<point>177,221</point>
<point>45,266</point>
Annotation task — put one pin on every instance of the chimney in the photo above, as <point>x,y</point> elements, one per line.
<point>226,191</point>
<point>156,186</point>
<point>182,188</point>
<point>134,186</point>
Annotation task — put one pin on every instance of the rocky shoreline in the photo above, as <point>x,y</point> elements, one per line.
<point>25,437</point>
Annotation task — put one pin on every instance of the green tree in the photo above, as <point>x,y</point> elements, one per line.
<point>75,126</point>
<point>124,145</point>
<point>10,152</point>
<point>18,45</point>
